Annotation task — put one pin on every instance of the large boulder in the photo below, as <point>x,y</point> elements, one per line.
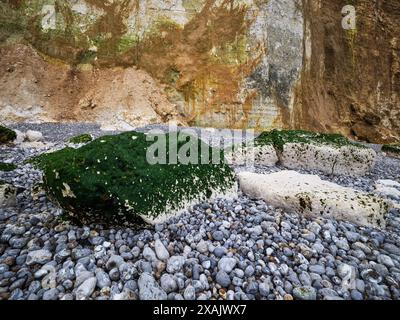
<point>7,135</point>
<point>8,195</point>
<point>311,196</point>
<point>328,153</point>
<point>34,136</point>
<point>116,180</point>
<point>392,150</point>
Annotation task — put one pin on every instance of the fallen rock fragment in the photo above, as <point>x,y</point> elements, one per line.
<point>311,196</point>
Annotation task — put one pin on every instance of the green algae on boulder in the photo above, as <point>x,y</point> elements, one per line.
<point>111,181</point>
<point>7,167</point>
<point>7,135</point>
<point>84,138</point>
<point>392,149</point>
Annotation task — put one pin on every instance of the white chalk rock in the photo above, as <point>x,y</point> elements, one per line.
<point>346,160</point>
<point>311,196</point>
<point>8,195</point>
<point>20,137</point>
<point>34,136</point>
<point>257,155</point>
<point>388,188</point>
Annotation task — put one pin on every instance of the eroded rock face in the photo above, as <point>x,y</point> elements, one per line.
<point>351,78</point>
<point>224,62</point>
<point>221,63</point>
<point>311,196</point>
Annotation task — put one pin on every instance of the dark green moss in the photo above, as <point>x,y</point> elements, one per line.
<point>278,138</point>
<point>84,138</point>
<point>110,180</point>
<point>7,167</point>
<point>392,148</point>
<point>7,135</point>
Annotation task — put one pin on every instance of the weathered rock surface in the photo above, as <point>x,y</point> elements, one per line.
<point>260,155</point>
<point>345,160</point>
<point>311,196</point>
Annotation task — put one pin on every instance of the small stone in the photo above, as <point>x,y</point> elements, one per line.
<point>86,289</point>
<point>386,260</point>
<point>318,269</point>
<point>190,293</point>
<point>252,288</point>
<point>114,274</point>
<point>218,235</point>
<point>175,264</point>
<point>391,248</point>
<point>356,295</point>
<point>264,289</point>
<point>219,252</point>
<point>149,254</point>
<point>161,252</point>
<point>352,236</point>
<point>269,251</point>
<point>305,293</point>
<point>114,262</point>
<point>51,294</point>
<point>202,247</point>
<point>288,297</point>
<point>343,244</point>
<point>103,280</point>
<point>149,288</point>
<point>38,257</point>
<point>223,279</point>
<point>227,264</point>
<point>344,270</point>
<point>168,283</point>
<point>249,271</point>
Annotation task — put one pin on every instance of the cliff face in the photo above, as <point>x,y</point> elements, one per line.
<point>351,79</point>
<point>221,63</point>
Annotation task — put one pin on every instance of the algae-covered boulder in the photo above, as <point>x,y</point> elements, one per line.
<point>111,180</point>
<point>7,135</point>
<point>328,153</point>
<point>392,149</point>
